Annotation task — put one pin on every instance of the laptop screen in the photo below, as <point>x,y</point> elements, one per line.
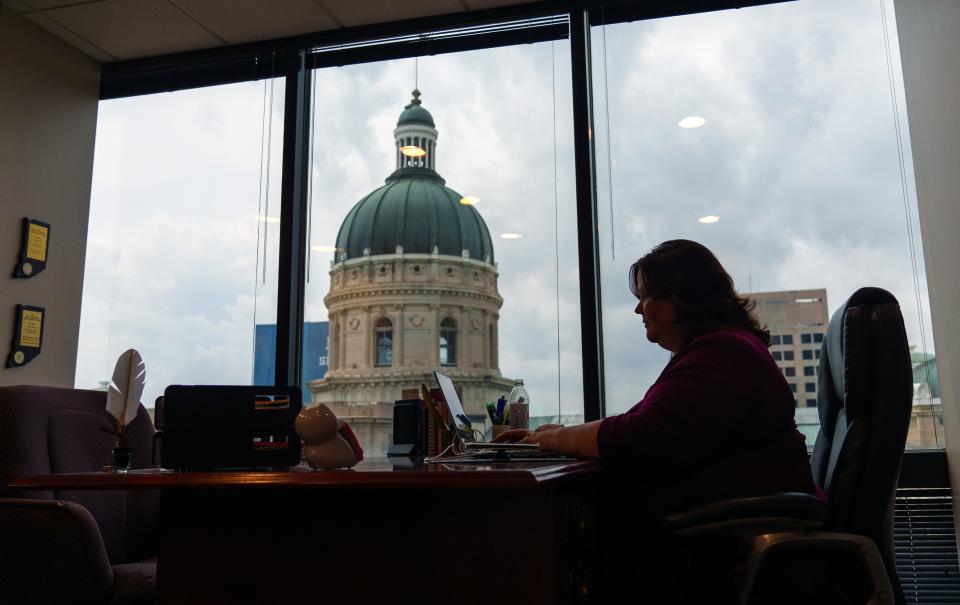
<point>460,419</point>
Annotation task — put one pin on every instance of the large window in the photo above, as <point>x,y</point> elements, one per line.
<point>767,134</point>
<point>441,223</point>
<point>442,200</point>
<point>182,247</point>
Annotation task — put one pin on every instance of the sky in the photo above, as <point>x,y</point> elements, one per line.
<point>798,157</point>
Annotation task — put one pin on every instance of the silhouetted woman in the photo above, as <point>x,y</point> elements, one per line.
<point>718,422</point>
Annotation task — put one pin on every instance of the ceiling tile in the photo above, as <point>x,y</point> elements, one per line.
<point>69,37</point>
<point>252,20</point>
<point>351,12</point>
<point>129,29</point>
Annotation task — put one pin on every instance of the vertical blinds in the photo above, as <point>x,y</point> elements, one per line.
<point>926,545</point>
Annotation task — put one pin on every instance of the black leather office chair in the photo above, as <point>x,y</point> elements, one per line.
<point>864,400</point>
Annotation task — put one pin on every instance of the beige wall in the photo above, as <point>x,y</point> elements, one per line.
<point>48,118</point>
<point>930,52</point>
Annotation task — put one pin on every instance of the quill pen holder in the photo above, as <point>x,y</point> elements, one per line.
<point>121,458</point>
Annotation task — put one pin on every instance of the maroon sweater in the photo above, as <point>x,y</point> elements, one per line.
<point>718,423</point>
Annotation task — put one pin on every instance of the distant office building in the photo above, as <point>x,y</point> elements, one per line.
<point>413,287</point>
<point>797,320</point>
<point>314,363</point>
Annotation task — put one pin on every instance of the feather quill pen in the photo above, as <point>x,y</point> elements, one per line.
<point>126,388</point>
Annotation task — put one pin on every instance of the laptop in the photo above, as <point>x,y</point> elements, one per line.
<point>463,427</point>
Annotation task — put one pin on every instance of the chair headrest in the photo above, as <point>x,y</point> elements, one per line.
<point>838,339</point>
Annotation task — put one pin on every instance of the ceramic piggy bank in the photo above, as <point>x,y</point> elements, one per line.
<point>328,441</point>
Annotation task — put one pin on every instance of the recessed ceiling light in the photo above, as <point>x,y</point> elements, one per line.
<point>326,249</point>
<point>510,235</point>
<point>266,219</point>
<point>413,151</point>
<point>692,122</point>
<point>710,218</point>
<point>470,201</point>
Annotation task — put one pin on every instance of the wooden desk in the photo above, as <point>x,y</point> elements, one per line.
<point>439,533</point>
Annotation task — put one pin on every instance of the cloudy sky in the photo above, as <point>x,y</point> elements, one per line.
<point>798,157</point>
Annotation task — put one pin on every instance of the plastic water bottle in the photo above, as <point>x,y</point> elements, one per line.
<point>519,402</point>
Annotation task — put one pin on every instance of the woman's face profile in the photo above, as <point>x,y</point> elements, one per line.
<point>658,317</point>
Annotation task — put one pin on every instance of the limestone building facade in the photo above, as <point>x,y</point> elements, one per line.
<point>797,320</point>
<point>413,288</point>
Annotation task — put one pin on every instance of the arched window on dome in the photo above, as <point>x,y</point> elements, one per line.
<point>448,342</point>
<point>493,347</point>
<point>383,339</point>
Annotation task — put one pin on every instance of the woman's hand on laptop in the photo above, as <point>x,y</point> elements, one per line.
<point>547,436</point>
<point>547,427</point>
<point>511,436</point>
<point>542,435</point>
<point>579,440</point>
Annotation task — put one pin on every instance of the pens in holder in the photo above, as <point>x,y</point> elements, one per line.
<point>501,404</point>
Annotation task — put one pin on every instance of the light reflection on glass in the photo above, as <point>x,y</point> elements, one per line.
<point>692,122</point>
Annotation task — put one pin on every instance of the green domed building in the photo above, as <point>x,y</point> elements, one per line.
<point>413,287</point>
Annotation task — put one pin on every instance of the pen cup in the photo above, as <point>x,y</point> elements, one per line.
<point>519,416</point>
<point>497,429</point>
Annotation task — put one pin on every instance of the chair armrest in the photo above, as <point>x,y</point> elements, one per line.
<point>787,511</point>
<point>881,589</point>
<point>52,553</point>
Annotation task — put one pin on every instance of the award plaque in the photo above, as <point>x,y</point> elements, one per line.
<point>27,336</point>
<point>33,248</point>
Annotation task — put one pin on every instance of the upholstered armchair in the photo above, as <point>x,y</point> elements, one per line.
<point>71,546</point>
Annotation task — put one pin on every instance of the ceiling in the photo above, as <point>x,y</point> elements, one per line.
<point>114,30</point>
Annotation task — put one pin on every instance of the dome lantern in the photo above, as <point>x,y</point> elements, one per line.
<point>415,136</point>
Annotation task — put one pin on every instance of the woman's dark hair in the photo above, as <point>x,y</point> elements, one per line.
<point>691,276</point>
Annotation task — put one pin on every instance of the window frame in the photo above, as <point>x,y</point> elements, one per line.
<point>447,341</point>
<point>382,326</point>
